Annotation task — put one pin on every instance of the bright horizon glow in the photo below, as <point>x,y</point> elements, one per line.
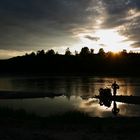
<point>112,40</point>
<point>109,40</point>
<point>4,54</point>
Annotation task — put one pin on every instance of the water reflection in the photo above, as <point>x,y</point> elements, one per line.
<point>107,102</point>
<point>73,85</point>
<point>78,94</point>
<point>115,109</point>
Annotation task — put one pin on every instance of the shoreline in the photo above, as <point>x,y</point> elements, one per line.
<point>76,126</point>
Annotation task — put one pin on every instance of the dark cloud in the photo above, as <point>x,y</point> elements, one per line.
<point>92,38</point>
<point>102,45</point>
<point>117,7</point>
<point>123,15</point>
<point>29,24</point>
<point>35,24</point>
<point>136,45</point>
<point>116,12</point>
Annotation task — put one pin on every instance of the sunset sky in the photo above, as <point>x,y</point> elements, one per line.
<point>31,25</point>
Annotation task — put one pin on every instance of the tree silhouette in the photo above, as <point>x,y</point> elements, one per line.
<point>85,51</point>
<point>50,52</point>
<point>124,52</point>
<point>40,53</point>
<point>32,54</point>
<point>68,52</point>
<point>101,51</point>
<point>76,53</point>
<point>91,51</point>
<point>84,62</point>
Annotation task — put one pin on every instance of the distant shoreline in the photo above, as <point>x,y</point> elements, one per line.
<point>80,74</point>
<point>86,63</point>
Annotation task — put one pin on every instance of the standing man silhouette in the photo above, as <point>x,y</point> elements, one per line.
<point>115,86</point>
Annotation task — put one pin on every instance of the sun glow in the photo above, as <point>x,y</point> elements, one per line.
<point>112,40</point>
<point>109,40</point>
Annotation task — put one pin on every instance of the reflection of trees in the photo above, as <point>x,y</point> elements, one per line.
<point>87,86</point>
<point>31,84</point>
<point>77,86</point>
<point>69,87</point>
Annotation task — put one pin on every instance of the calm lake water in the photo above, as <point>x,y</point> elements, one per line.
<point>77,94</point>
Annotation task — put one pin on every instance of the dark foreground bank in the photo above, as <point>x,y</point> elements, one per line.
<point>70,126</point>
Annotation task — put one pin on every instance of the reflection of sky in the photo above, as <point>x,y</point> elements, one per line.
<point>42,106</point>
<point>93,108</point>
<point>78,93</point>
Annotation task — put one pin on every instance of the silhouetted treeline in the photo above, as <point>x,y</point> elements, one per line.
<point>86,61</point>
